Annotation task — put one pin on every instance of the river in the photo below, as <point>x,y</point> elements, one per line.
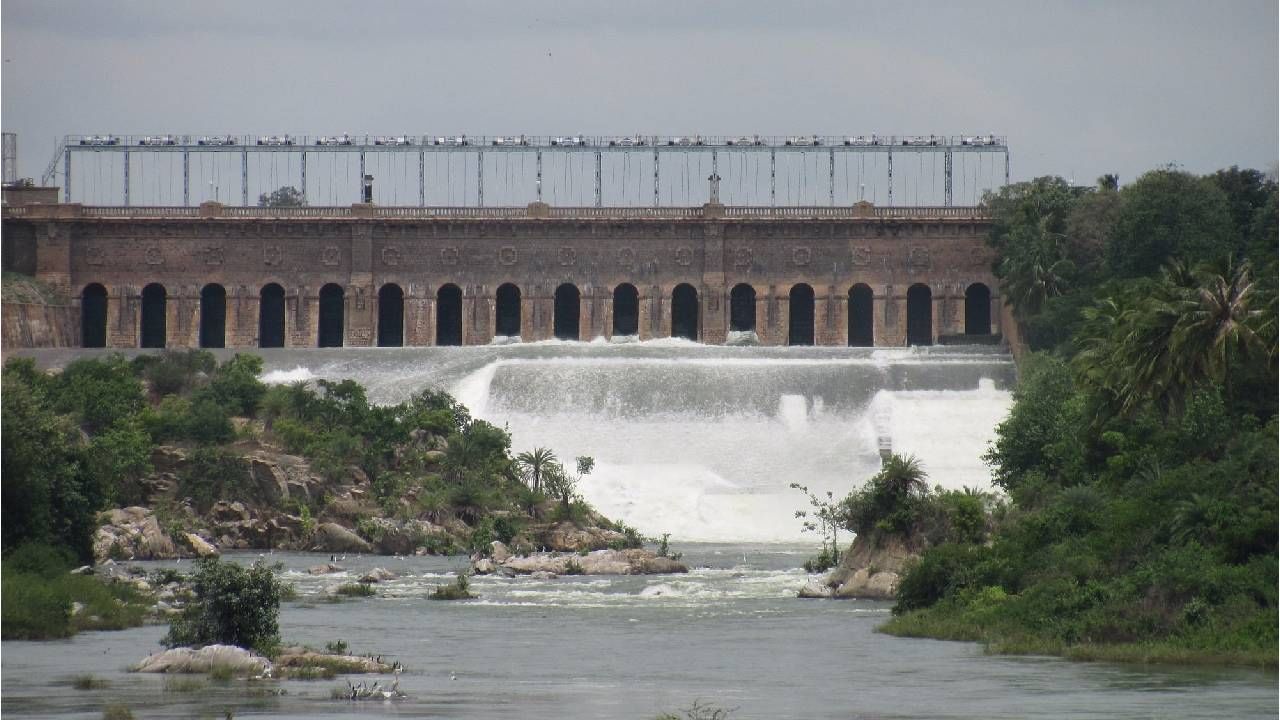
<point>697,441</point>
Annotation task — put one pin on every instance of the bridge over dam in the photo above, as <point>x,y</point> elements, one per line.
<point>372,275</point>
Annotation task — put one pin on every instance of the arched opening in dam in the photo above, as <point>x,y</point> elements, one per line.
<point>626,310</point>
<point>93,316</point>
<point>742,308</point>
<point>568,307</point>
<point>154,322</point>
<point>684,312</point>
<point>449,315</point>
<point>977,310</point>
<point>919,315</point>
<point>800,315</point>
<point>271,316</point>
<point>507,311</point>
<point>861,316</point>
<point>390,316</point>
<point>331,315</point>
<point>213,316</point>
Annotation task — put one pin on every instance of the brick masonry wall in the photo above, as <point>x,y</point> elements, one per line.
<point>535,254</point>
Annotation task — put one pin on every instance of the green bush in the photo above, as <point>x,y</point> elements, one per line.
<point>213,474</point>
<point>232,605</point>
<point>236,387</point>
<point>38,592</point>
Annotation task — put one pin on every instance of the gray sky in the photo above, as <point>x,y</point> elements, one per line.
<point>1080,89</point>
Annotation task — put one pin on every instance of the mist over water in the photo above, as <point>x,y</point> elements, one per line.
<point>702,441</point>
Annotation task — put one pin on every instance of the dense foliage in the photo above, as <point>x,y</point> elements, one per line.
<point>1140,455</point>
<point>41,596</point>
<point>231,605</point>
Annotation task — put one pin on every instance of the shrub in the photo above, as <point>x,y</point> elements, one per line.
<point>232,605</point>
<point>99,391</point>
<point>213,474</point>
<point>460,590</point>
<point>357,589</point>
<point>236,387</point>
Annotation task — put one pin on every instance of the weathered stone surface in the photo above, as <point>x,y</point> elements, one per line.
<point>203,660</point>
<point>815,590</point>
<point>332,537</point>
<point>377,575</point>
<point>293,657</point>
<point>499,552</point>
<point>872,567</point>
<point>200,546</point>
<point>866,586</point>
<point>325,569</point>
<point>599,562</point>
<point>132,533</point>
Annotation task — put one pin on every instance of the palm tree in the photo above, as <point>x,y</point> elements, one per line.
<point>1218,326</point>
<point>533,464</point>
<point>1035,268</point>
<point>903,475</point>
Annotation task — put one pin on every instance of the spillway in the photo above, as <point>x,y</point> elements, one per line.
<point>703,441</point>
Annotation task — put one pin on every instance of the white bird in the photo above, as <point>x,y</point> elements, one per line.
<point>453,675</point>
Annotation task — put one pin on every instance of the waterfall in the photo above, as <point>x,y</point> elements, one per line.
<point>700,441</point>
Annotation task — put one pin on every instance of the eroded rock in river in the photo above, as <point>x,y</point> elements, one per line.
<point>871,569</point>
<point>332,537</point>
<point>202,660</point>
<point>132,533</point>
<point>599,562</point>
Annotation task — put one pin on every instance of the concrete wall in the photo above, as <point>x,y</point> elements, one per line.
<point>537,254</point>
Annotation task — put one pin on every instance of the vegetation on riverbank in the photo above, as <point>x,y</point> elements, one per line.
<point>43,600</point>
<point>1140,455</point>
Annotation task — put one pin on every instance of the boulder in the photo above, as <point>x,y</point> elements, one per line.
<point>864,585</point>
<point>814,590</point>
<point>332,537</point>
<point>200,546</point>
<point>600,562</point>
<point>205,659</point>
<point>483,566</point>
<point>229,512</point>
<point>293,657</point>
<point>325,569</point>
<point>499,552</point>
<point>271,481</point>
<point>377,575</point>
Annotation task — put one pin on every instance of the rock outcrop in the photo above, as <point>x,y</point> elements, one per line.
<point>189,660</point>
<point>332,537</point>
<point>870,570</point>
<point>600,562</point>
<point>132,533</point>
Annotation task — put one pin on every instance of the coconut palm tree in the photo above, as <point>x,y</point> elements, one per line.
<point>1218,327</point>
<point>1035,268</point>
<point>534,464</point>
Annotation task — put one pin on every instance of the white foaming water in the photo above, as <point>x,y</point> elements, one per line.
<point>703,441</point>
<point>284,377</point>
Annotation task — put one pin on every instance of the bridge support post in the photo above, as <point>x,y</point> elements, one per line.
<point>360,180</point>
<point>66,174</point>
<point>599,188</point>
<point>890,178</point>
<point>186,178</point>
<point>126,178</point>
<point>1006,166</point>
<point>244,178</point>
<point>538,182</point>
<point>304,175</point>
<point>655,176</point>
<point>422,178</point>
<point>479,178</point>
<point>831,177</point>
<point>773,178</point>
<point>946,177</point>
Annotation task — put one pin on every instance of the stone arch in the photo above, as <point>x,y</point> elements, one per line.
<point>93,316</point>
<point>800,315</point>
<point>626,310</point>
<point>919,315</point>
<point>154,311</point>
<point>332,315</point>
<point>213,316</point>
<point>684,312</point>
<point>977,310</point>
<point>742,308</point>
<point>861,316</point>
<point>567,312</point>
<point>271,316</point>
<point>507,310</point>
<point>390,316</point>
<point>449,315</point>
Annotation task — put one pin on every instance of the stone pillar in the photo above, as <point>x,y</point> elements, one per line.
<point>53,257</point>
<point>593,312</point>
<point>182,317</point>
<point>891,321</point>
<point>419,325</point>
<point>360,311</point>
<point>477,315</point>
<point>123,306</point>
<point>713,322</point>
<point>830,314</point>
<point>242,317</point>
<point>537,314</point>
<point>302,317</point>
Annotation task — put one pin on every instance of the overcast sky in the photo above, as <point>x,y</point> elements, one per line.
<point>1080,89</point>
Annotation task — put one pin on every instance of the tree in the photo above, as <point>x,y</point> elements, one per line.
<point>233,605</point>
<point>1165,214</point>
<point>533,464</point>
<point>826,522</point>
<point>287,196</point>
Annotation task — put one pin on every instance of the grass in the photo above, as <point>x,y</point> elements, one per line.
<point>1005,638</point>
<point>184,684</point>
<point>116,711</point>
<point>38,607</point>
<point>88,682</point>
<point>355,590</point>
<point>457,591</point>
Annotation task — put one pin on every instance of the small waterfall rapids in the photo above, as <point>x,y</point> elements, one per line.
<point>703,441</point>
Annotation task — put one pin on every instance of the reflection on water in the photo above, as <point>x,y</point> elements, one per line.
<point>730,632</point>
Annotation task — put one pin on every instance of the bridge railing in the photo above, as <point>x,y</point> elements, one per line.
<point>213,210</point>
